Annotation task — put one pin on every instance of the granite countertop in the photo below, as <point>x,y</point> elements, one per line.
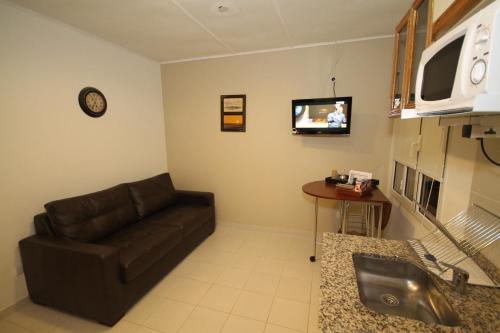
<point>342,311</point>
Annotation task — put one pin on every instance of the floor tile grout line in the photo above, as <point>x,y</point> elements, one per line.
<point>310,299</point>
<point>308,304</point>
<point>198,305</point>
<point>149,328</point>
<point>274,298</point>
<point>187,317</point>
<point>16,324</point>
<point>63,320</point>
<point>225,321</point>
<point>288,328</point>
<point>212,284</point>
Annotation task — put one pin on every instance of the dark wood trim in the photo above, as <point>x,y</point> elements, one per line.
<point>395,54</point>
<point>417,3</point>
<point>409,21</point>
<point>410,44</point>
<point>452,15</point>
<point>410,105</point>
<point>402,24</point>
<point>430,22</point>
<point>406,103</point>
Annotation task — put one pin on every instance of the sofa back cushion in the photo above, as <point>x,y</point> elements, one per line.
<point>90,217</point>
<point>153,194</point>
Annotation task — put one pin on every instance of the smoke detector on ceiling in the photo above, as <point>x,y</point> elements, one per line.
<point>224,7</point>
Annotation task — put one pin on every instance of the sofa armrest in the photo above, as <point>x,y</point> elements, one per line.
<point>69,247</point>
<point>195,197</point>
<point>78,277</point>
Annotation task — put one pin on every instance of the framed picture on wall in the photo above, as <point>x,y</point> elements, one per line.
<point>233,113</point>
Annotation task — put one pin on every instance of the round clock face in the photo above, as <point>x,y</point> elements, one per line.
<point>92,102</point>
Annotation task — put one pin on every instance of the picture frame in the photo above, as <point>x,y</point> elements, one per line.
<point>233,113</point>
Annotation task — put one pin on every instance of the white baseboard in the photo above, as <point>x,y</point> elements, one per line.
<point>14,307</point>
<point>253,227</point>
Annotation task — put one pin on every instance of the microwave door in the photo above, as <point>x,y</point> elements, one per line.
<point>440,71</point>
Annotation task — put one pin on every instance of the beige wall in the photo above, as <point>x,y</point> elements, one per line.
<point>485,189</point>
<point>486,180</point>
<point>439,7</point>
<point>257,176</point>
<point>49,148</point>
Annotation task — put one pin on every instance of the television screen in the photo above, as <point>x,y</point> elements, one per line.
<point>322,115</point>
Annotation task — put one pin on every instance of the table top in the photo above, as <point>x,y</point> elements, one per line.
<point>324,190</point>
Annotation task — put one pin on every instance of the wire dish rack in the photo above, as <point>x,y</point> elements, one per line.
<point>471,231</point>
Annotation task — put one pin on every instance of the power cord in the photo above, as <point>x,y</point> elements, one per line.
<point>486,154</point>
<point>333,86</point>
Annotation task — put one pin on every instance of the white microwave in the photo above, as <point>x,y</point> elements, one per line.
<point>460,72</point>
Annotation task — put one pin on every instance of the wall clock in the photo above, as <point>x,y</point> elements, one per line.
<point>92,102</point>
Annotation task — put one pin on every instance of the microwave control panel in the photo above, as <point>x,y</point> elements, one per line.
<point>480,55</point>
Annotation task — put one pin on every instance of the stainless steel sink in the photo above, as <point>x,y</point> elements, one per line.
<point>397,287</point>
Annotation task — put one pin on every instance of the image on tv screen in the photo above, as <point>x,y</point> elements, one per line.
<point>322,115</point>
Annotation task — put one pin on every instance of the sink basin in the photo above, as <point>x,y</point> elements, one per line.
<point>397,287</point>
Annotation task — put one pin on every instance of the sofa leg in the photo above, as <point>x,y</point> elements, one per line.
<point>111,322</point>
<point>38,301</point>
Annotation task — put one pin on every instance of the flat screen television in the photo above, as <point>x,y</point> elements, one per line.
<point>322,116</point>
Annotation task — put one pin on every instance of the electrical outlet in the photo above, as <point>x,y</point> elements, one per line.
<point>477,131</point>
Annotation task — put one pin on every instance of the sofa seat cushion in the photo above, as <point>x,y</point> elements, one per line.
<point>141,245</point>
<point>90,217</point>
<point>186,217</point>
<point>153,194</point>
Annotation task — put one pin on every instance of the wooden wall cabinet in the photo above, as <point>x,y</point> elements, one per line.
<point>455,12</point>
<point>412,35</point>
<point>399,64</point>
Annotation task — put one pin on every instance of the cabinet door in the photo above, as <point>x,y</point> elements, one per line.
<point>406,141</point>
<point>399,60</point>
<point>447,13</point>
<point>432,153</point>
<point>421,38</point>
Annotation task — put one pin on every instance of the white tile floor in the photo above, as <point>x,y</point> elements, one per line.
<point>237,281</point>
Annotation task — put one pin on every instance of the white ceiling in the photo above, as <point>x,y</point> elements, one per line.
<point>169,30</point>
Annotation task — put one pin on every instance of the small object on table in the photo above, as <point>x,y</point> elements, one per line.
<point>348,187</point>
<point>331,180</point>
<point>358,175</point>
<point>336,180</point>
<point>362,188</point>
<point>344,177</point>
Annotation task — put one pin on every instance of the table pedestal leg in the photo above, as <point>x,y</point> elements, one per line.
<point>380,215</point>
<point>313,257</point>
<point>343,216</point>
<point>366,219</point>
<point>372,217</point>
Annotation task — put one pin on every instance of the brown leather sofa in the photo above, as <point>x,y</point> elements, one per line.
<point>95,255</point>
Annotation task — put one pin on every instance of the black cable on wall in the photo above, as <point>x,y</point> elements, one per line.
<point>486,154</point>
